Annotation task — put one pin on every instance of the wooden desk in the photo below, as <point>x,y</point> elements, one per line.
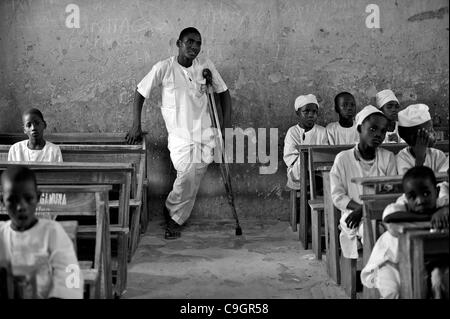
<point>69,138</point>
<point>107,153</point>
<point>92,174</point>
<point>83,200</point>
<point>304,177</point>
<point>373,207</point>
<point>416,243</point>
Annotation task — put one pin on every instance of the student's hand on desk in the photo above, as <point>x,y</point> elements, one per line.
<point>134,135</point>
<point>439,220</point>
<point>354,218</point>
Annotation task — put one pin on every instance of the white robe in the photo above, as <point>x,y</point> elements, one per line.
<point>190,137</point>
<point>347,165</point>
<point>339,135</point>
<point>296,136</point>
<point>19,152</point>
<point>434,158</point>
<point>394,132</point>
<point>48,249</point>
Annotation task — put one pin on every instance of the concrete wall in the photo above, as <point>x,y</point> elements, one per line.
<point>267,51</point>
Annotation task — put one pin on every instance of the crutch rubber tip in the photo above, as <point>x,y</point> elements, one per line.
<point>238,231</point>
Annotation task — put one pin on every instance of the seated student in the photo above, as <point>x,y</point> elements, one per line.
<point>388,103</point>
<point>364,160</point>
<point>39,244</point>
<point>343,131</point>
<point>416,128</point>
<point>420,202</point>
<point>36,148</point>
<point>306,132</point>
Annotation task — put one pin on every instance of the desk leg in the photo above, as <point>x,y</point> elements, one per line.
<point>404,250</point>
<point>369,243</point>
<point>419,272</point>
<point>293,209</point>
<point>316,226</point>
<point>303,222</point>
<point>331,232</point>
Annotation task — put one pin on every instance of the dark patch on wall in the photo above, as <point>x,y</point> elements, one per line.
<point>427,15</point>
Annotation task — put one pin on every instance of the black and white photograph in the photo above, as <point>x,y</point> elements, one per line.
<point>215,157</point>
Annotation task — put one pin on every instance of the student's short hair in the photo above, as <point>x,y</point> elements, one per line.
<point>187,31</point>
<point>422,172</point>
<point>34,112</point>
<point>338,96</point>
<point>19,174</point>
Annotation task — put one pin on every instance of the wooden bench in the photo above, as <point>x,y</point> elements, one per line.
<point>321,153</point>
<point>69,138</point>
<point>417,244</point>
<point>93,174</point>
<point>76,201</point>
<point>114,151</point>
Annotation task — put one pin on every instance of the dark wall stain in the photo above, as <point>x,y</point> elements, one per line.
<point>427,15</point>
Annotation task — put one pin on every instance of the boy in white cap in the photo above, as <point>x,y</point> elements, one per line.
<point>344,131</point>
<point>364,160</point>
<point>388,103</point>
<point>416,128</point>
<point>305,132</point>
<point>420,202</point>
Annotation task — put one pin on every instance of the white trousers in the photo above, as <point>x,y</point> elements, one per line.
<point>387,280</point>
<point>191,162</point>
<point>349,237</point>
<point>293,176</point>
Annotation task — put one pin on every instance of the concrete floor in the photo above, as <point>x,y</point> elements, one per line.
<point>209,261</point>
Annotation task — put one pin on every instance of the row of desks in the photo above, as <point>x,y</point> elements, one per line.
<point>322,158</point>
<point>318,160</point>
<point>99,159</point>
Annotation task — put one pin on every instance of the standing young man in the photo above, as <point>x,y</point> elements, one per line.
<point>185,112</point>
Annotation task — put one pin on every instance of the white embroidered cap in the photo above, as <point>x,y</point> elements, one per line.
<point>365,112</point>
<point>303,100</point>
<point>414,115</point>
<point>384,97</point>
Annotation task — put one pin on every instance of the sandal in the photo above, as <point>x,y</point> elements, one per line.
<point>169,234</point>
<point>172,230</point>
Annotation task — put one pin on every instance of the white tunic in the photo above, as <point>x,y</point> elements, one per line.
<point>394,132</point>
<point>434,158</point>
<point>19,152</point>
<point>347,165</point>
<point>47,248</point>
<point>296,136</point>
<point>184,105</point>
<point>339,135</point>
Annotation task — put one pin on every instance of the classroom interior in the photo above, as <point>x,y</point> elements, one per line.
<point>83,79</point>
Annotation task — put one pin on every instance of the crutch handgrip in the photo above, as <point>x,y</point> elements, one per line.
<point>208,76</point>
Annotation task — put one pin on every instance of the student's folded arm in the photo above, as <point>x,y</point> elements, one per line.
<point>403,216</point>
